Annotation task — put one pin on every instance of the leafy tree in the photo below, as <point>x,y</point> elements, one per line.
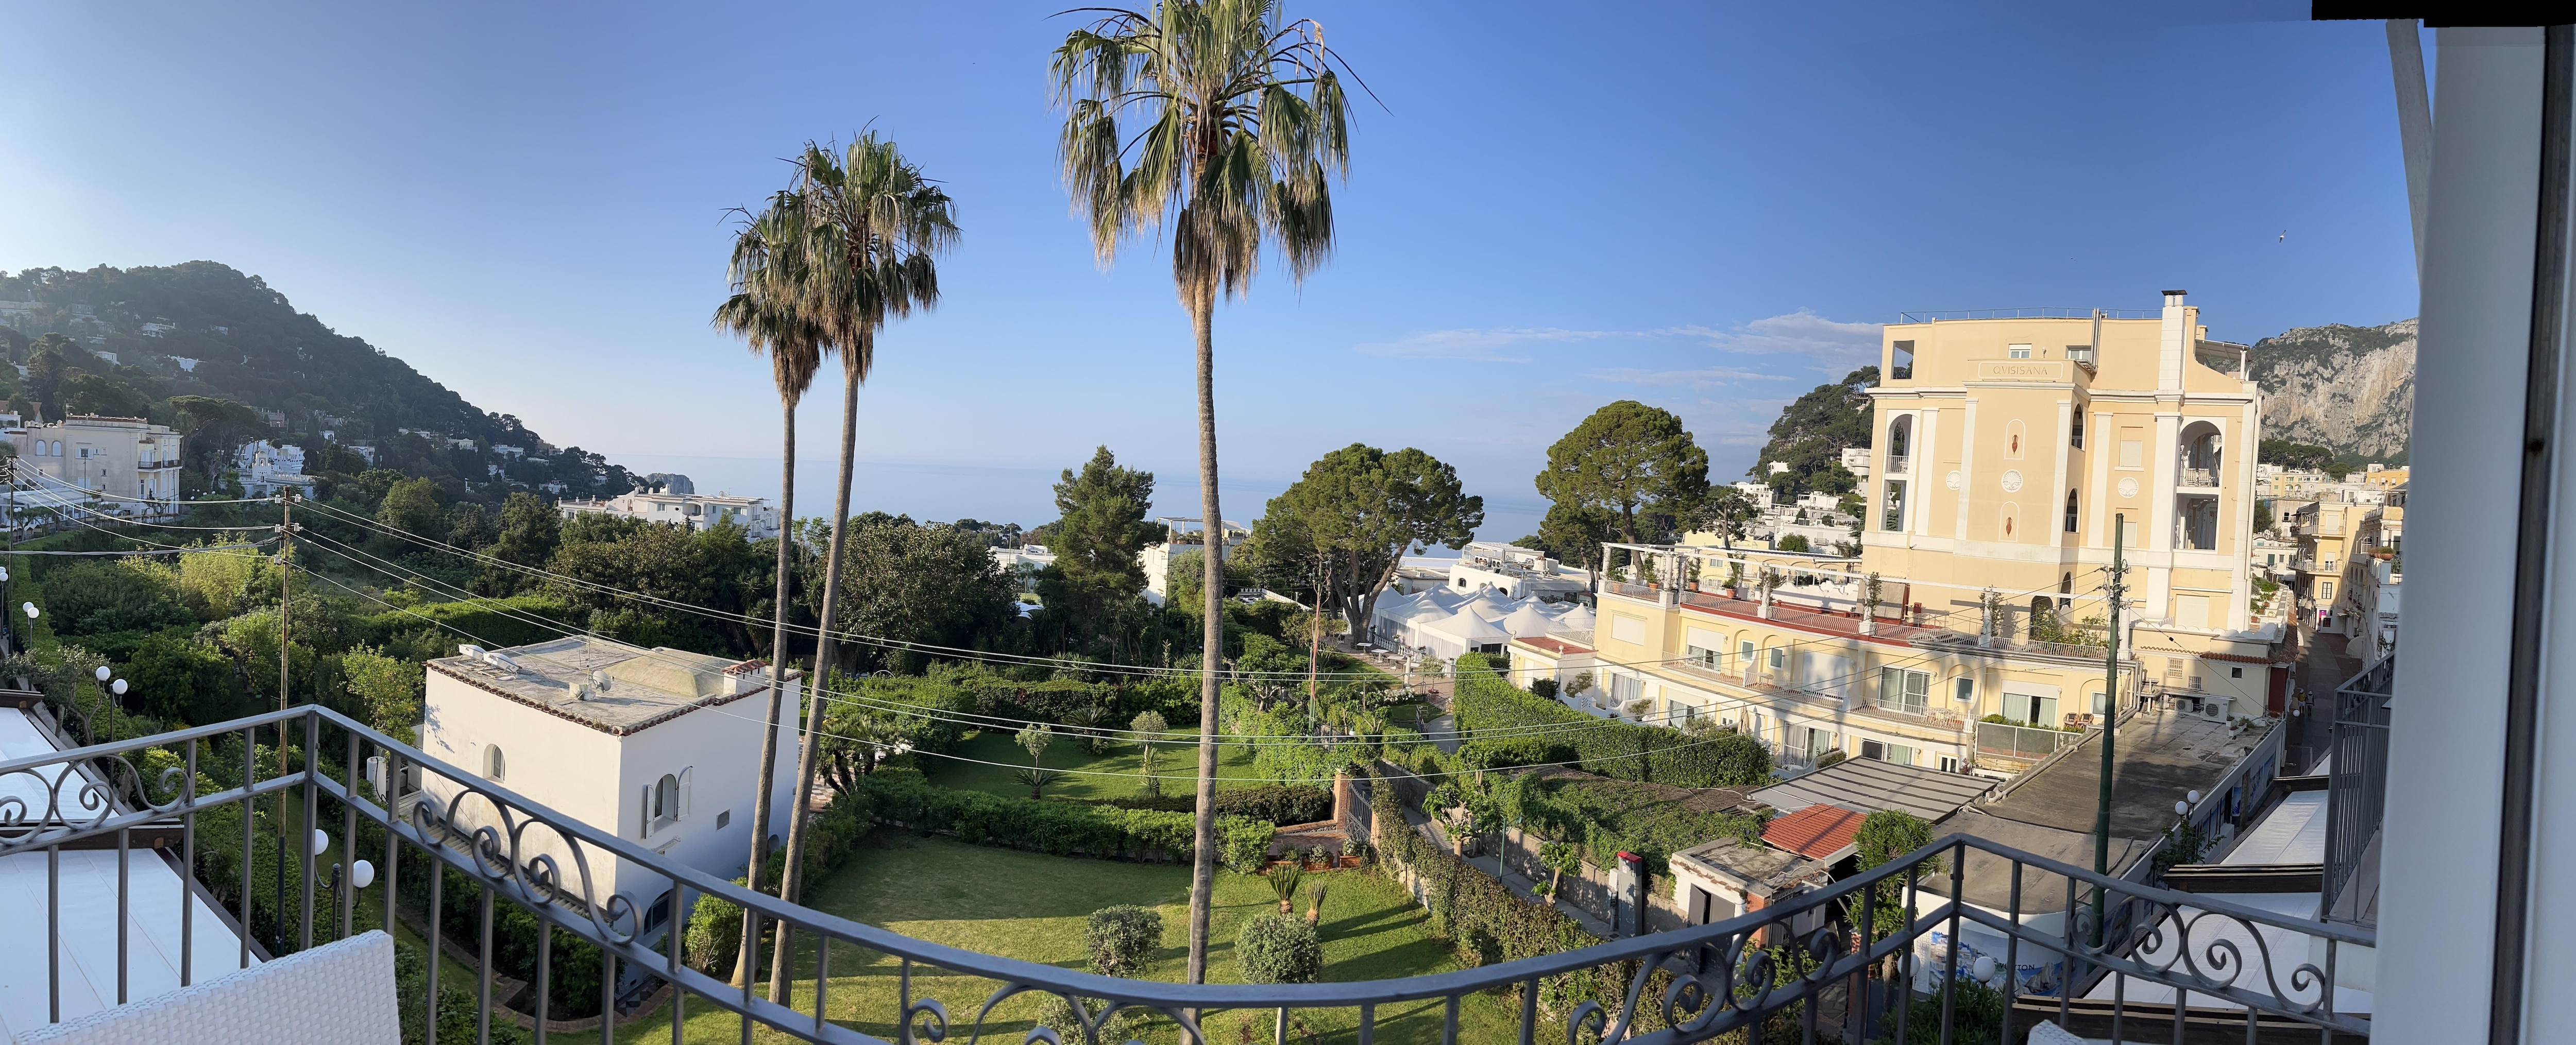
<point>1884,836</point>
<point>87,393</point>
<point>1244,122</point>
<point>1812,433</point>
<point>1573,534</point>
<point>1628,459</point>
<point>98,596</point>
<point>412,507</point>
<point>928,584</point>
<point>388,689</point>
<point>714,568</point>
<point>1795,542</point>
<point>2263,520</point>
<point>1096,539</point>
<point>528,534</point>
<point>180,680</point>
<point>1354,515</point>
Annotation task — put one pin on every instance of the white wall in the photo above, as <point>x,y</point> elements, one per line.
<point>598,779</point>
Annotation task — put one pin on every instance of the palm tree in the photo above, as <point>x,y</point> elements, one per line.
<point>1243,119</point>
<point>876,221</point>
<point>767,271</point>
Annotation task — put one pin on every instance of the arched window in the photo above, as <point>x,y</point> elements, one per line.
<point>1900,440</point>
<point>659,912</point>
<point>494,766</point>
<point>2070,511</point>
<point>666,798</point>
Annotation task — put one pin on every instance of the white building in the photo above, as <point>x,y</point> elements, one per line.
<point>757,517</point>
<point>266,469</point>
<point>1181,536</point>
<point>1512,570</point>
<point>619,738</point>
<point>1023,563</point>
<point>119,461</point>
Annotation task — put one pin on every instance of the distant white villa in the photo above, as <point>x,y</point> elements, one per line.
<point>755,515</point>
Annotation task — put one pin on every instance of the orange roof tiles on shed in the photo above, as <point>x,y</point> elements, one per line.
<point>1816,832</point>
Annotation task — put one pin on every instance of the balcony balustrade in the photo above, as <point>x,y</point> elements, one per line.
<point>1802,968</point>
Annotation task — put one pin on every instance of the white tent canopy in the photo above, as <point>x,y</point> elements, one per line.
<point>1460,634</point>
<point>1577,619</point>
<point>1527,622</point>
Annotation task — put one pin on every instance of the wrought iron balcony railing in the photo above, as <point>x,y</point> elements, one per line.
<point>1809,967</point>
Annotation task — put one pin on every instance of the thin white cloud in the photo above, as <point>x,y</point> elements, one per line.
<point>1797,333</point>
<point>1478,345</point>
<point>1703,378</point>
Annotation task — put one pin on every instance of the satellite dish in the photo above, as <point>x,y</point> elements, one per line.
<point>600,679</point>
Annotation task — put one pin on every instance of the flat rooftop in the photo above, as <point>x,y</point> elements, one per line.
<point>645,687</point>
<point>2160,755</point>
<point>1867,785</point>
<point>1735,859</point>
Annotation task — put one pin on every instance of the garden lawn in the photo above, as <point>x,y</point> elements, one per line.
<point>1032,906</point>
<point>1179,759</point>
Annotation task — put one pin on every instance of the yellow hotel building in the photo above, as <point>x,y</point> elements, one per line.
<point>2005,451</point>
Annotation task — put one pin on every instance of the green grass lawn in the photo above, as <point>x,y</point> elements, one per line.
<point>1179,760</point>
<point>1031,906</point>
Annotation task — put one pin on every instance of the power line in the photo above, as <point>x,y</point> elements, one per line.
<point>973,720</point>
<point>810,732</point>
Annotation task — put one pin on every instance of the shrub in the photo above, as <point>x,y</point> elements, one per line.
<point>1543,688</point>
<point>1485,700</point>
<point>1244,844</point>
<point>1122,939</point>
<point>714,935</point>
<point>1278,948</point>
<point>1060,828</point>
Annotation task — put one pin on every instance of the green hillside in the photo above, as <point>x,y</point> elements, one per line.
<point>225,358</point>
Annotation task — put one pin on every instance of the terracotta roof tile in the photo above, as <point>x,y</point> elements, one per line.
<point>1816,832</point>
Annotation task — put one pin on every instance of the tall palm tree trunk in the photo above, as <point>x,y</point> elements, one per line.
<point>1212,636</point>
<point>793,880</point>
<point>777,691</point>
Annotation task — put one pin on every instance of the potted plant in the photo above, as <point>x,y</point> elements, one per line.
<point>1283,883</point>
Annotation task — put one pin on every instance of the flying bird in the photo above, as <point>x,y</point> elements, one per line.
<point>2285,236</point>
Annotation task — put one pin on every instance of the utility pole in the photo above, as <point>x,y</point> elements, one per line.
<point>2115,590</point>
<point>1315,632</point>
<point>285,571</point>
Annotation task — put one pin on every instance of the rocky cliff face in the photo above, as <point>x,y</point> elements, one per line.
<point>2349,389</point>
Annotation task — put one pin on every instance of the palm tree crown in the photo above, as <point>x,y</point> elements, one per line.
<point>1244,118</point>
<point>876,223</point>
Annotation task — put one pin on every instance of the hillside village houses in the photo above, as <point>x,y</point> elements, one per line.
<point>126,466</point>
<point>757,517</point>
<point>266,468</point>
<point>2005,450</point>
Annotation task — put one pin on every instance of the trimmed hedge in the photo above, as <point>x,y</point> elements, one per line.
<point>1486,923</point>
<point>1486,700</point>
<point>1277,803</point>
<point>1058,828</point>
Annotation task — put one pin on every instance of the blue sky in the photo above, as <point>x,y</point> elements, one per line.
<point>1705,207</point>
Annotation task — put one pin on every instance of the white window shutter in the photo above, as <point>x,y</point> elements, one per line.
<point>684,794</point>
<point>644,813</point>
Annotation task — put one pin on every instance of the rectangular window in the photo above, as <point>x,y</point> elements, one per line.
<point>1703,657</point>
<point>1900,754</point>
<point>1966,688</point>
<point>1902,690</point>
<point>1744,655</point>
<point>2325,589</point>
<point>1894,505</point>
<point>2076,439</point>
<point>1949,763</point>
<point>1873,749</point>
<point>2017,351</point>
<point>1779,658</point>
<point>1900,363</point>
